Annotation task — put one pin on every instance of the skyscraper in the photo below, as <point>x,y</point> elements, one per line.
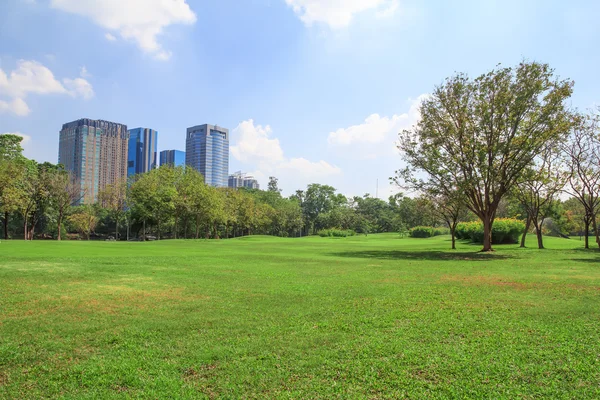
<point>239,179</point>
<point>95,153</point>
<point>175,158</point>
<point>141,156</point>
<point>207,151</point>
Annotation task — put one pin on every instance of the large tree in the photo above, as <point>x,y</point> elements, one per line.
<point>482,133</point>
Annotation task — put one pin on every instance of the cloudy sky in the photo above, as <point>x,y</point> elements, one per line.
<point>312,90</point>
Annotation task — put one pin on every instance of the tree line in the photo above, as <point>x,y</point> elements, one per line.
<point>39,201</point>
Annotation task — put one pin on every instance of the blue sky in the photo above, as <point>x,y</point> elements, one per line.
<point>312,90</point>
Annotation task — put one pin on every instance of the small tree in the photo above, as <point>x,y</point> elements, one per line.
<point>582,154</point>
<point>538,188</point>
<point>449,205</point>
<point>114,199</point>
<point>84,220</point>
<point>64,192</point>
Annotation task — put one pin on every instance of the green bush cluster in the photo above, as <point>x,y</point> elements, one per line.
<point>504,231</point>
<point>427,232</point>
<point>336,233</point>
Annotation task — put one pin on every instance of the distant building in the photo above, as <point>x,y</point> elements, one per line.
<point>141,155</point>
<point>239,179</point>
<point>207,151</point>
<point>95,153</point>
<point>175,158</point>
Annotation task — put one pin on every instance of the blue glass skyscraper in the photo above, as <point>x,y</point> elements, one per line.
<point>207,151</point>
<point>174,158</point>
<point>141,153</point>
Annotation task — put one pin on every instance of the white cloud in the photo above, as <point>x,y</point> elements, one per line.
<point>253,143</point>
<point>339,13</point>
<point>31,77</point>
<point>84,73</point>
<point>258,150</point>
<point>109,37</point>
<point>377,129</point>
<point>140,21</point>
<point>16,106</point>
<point>79,87</point>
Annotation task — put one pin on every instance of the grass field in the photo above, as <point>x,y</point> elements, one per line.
<point>374,317</point>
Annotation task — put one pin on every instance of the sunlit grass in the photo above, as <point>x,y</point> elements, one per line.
<point>361,317</point>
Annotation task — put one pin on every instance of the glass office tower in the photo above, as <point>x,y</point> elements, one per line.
<point>207,151</point>
<point>141,155</point>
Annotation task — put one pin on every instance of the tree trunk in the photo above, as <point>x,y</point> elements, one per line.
<point>26,229</point>
<point>59,224</point>
<point>176,223</point>
<point>538,233</point>
<point>527,226</point>
<point>117,229</point>
<point>452,232</point>
<point>595,227</point>
<point>216,232</point>
<point>487,233</point>
<point>6,225</point>
<point>586,234</point>
<point>144,230</point>
<point>197,227</point>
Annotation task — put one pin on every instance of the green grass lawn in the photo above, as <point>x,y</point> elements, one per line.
<point>374,317</point>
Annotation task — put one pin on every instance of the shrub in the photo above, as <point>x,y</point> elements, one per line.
<point>336,233</point>
<point>422,232</point>
<point>441,231</point>
<point>427,232</point>
<point>504,231</point>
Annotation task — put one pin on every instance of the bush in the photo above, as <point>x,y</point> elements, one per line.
<point>336,233</point>
<point>441,231</point>
<point>421,232</point>
<point>427,232</point>
<point>504,231</point>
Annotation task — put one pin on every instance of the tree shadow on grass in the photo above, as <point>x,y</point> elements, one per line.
<point>593,253</point>
<point>423,255</point>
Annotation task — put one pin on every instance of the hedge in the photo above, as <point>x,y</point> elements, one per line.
<point>504,231</point>
<point>427,232</point>
<point>336,233</point>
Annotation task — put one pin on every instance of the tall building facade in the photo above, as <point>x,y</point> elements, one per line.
<point>175,158</point>
<point>95,153</point>
<point>207,151</point>
<point>239,179</point>
<point>141,155</point>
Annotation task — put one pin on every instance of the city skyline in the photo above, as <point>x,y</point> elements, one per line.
<point>312,91</point>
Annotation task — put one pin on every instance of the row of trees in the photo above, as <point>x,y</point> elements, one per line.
<point>37,201</point>
<point>507,135</point>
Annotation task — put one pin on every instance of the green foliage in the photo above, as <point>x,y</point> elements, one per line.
<point>336,233</point>
<point>480,135</point>
<point>422,232</point>
<point>504,230</point>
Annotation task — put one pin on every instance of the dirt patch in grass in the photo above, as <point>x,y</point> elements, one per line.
<point>110,299</point>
